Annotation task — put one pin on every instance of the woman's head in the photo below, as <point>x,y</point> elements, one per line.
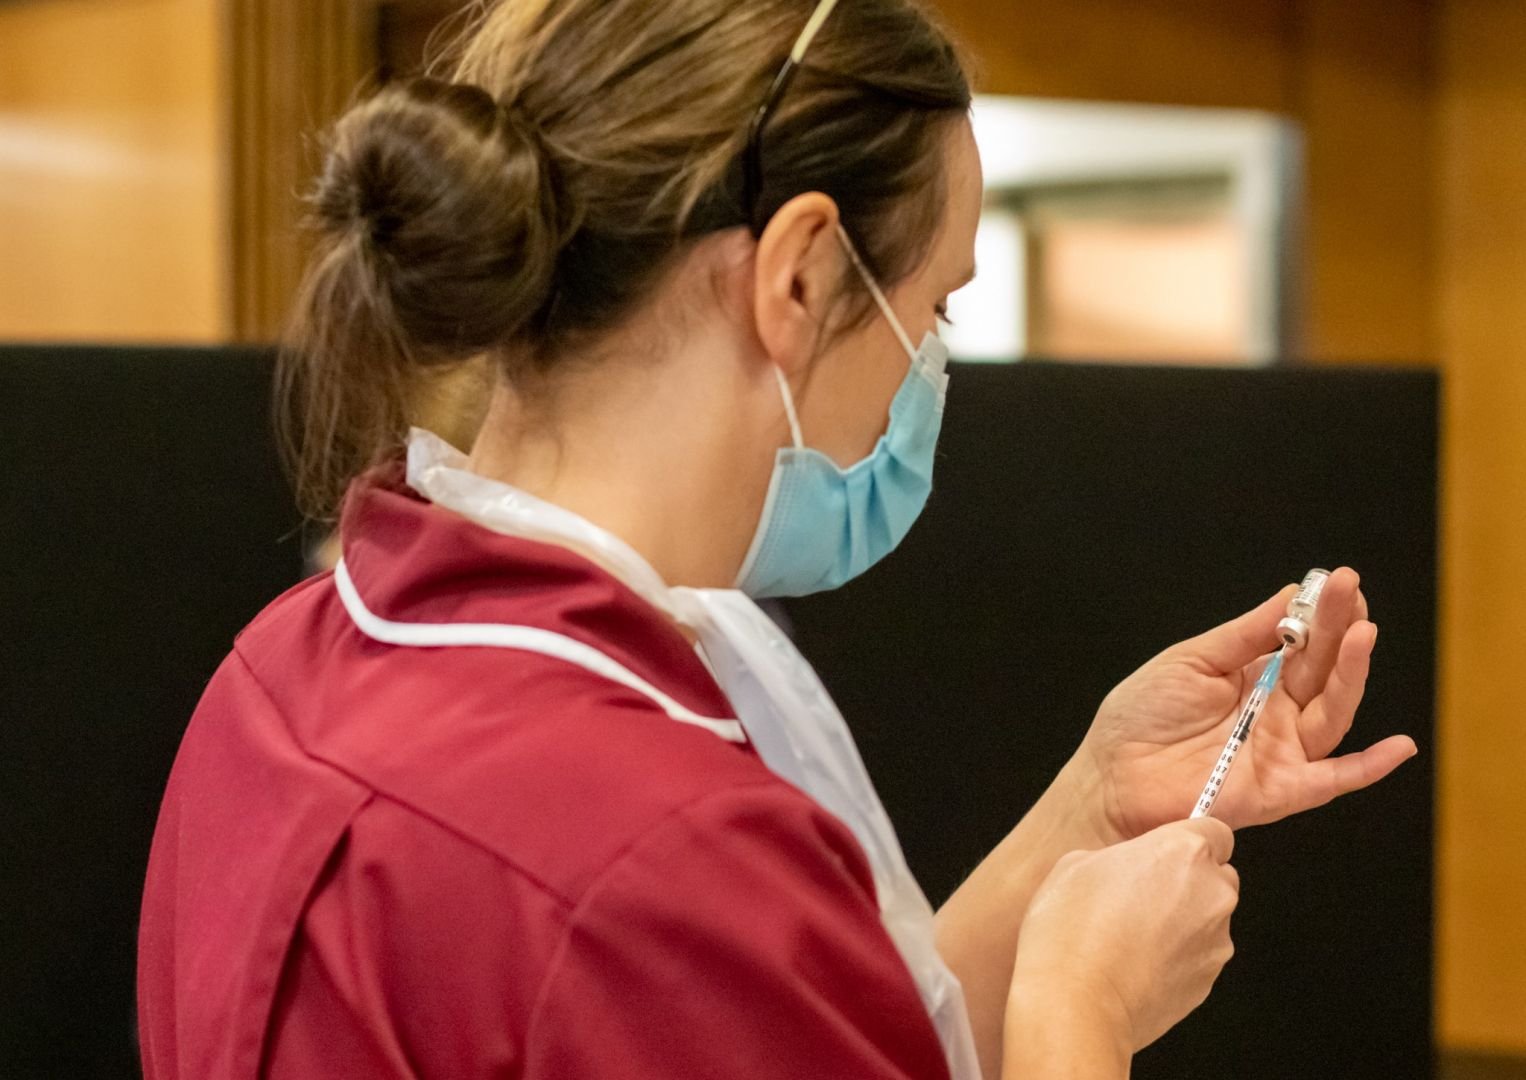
<point>572,155</point>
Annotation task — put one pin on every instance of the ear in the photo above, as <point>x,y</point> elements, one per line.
<point>796,275</point>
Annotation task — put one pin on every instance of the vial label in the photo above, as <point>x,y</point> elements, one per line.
<point>1302,605</point>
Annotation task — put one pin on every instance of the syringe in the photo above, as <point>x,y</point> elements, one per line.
<point>1294,632</point>
<point>1253,704</point>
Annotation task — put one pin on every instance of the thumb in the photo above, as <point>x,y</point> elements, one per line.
<point>1230,646</point>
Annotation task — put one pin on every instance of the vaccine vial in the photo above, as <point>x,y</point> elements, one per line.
<point>1294,630</point>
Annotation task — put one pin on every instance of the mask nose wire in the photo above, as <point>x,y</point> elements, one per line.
<point>874,290</point>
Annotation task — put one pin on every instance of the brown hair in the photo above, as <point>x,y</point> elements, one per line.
<point>534,186</point>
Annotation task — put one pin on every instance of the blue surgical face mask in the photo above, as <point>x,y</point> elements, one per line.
<point>823,525</point>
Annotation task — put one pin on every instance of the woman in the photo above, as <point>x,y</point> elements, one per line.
<point>527,786</point>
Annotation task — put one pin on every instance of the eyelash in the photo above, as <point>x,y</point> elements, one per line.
<point>941,311</point>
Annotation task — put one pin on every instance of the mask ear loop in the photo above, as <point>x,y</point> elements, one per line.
<point>874,290</point>
<point>789,408</point>
<point>884,306</point>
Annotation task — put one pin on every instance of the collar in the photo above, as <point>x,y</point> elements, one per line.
<point>412,566</point>
<point>440,472</point>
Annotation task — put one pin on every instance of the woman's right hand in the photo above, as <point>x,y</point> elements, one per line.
<point>1123,942</point>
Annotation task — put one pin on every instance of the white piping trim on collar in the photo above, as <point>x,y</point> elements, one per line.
<point>527,638</point>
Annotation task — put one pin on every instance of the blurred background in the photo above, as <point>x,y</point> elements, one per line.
<point>1246,184</point>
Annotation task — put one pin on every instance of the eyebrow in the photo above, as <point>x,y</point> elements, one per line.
<point>969,276</point>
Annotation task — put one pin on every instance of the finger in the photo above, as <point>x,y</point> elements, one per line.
<point>1219,836</point>
<point>1307,670</point>
<point>1328,718</point>
<point>1232,876</point>
<point>1229,647</point>
<point>1333,777</point>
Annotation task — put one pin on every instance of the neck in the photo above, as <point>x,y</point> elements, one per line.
<point>654,448</point>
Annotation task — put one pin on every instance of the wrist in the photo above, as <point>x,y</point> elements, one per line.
<point>1059,1028</point>
<point>1070,816</point>
<point>1082,795</point>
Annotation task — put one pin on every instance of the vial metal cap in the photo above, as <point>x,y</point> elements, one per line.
<point>1293,632</point>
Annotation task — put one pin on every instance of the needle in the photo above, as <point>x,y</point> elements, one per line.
<point>1253,706</point>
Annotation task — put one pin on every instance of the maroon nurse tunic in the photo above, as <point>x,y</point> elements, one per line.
<point>380,860</point>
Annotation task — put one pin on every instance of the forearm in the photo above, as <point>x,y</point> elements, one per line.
<point>1054,1036</point>
<point>978,927</point>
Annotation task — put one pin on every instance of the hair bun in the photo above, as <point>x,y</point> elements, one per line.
<point>451,198</point>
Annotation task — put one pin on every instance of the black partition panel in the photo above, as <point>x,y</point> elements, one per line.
<point>143,521</point>
<point>1086,517</point>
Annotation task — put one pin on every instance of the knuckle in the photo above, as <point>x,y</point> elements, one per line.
<point>1069,861</point>
<point>1193,846</point>
<point>1231,893</point>
<point>1067,867</point>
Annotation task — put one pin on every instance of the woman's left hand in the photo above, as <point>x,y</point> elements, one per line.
<point>1158,734</point>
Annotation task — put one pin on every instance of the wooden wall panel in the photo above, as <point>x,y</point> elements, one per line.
<point>1185,52</point>
<point>1354,73</point>
<point>1362,90</point>
<point>112,202</point>
<point>296,64</point>
<point>1481,149</point>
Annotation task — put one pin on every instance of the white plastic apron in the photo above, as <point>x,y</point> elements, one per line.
<point>782,705</point>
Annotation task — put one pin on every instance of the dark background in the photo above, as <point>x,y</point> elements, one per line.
<point>142,517</point>
<point>1085,517</point>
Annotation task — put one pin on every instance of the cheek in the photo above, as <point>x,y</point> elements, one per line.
<point>848,402</point>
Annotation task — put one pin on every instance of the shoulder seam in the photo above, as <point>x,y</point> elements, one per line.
<point>531,878</point>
